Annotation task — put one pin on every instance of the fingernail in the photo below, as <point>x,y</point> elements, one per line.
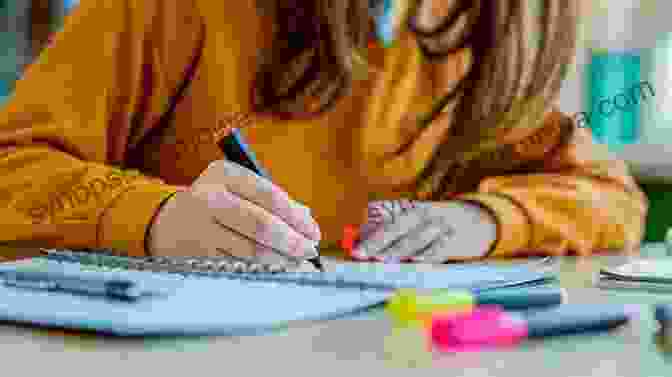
<point>301,249</point>
<point>309,226</point>
<point>313,230</point>
<point>387,259</point>
<point>390,260</point>
<point>267,256</point>
<point>305,223</point>
<point>358,254</point>
<point>305,249</point>
<point>379,258</point>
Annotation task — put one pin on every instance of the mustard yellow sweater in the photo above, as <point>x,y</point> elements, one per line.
<point>81,115</point>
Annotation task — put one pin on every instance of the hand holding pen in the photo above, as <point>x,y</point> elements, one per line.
<point>231,211</point>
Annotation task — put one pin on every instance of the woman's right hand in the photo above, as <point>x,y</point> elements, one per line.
<point>231,211</point>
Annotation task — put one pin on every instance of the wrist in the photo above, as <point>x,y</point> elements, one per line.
<point>152,221</point>
<point>481,222</point>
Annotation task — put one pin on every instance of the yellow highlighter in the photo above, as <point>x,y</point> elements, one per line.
<point>410,307</point>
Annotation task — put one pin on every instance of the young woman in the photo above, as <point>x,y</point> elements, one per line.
<point>340,121</point>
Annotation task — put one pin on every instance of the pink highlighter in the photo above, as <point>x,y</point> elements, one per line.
<point>483,327</point>
<point>492,327</point>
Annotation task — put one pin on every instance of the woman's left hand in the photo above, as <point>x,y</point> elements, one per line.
<point>426,232</point>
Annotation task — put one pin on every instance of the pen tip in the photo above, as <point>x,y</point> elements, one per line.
<point>317,263</point>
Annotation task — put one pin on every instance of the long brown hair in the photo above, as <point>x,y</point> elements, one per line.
<point>315,41</point>
<point>311,56</point>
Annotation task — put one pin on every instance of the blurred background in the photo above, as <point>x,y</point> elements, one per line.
<point>618,85</point>
<point>25,28</point>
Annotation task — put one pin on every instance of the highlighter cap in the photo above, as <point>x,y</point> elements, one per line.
<point>408,306</point>
<point>484,327</point>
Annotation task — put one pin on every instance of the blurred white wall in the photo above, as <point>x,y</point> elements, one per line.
<point>571,97</point>
<point>644,25</point>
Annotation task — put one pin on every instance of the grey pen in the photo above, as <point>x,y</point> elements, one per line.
<point>236,150</point>
<point>58,281</point>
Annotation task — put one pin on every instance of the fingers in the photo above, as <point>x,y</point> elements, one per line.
<point>417,240</point>
<point>388,234</point>
<point>238,247</point>
<point>383,211</point>
<point>204,236</point>
<point>429,232</point>
<point>458,246</point>
<point>437,252</point>
<point>236,215</point>
<point>262,192</point>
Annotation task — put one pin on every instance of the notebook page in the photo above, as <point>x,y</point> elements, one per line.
<point>191,306</point>
<point>202,305</point>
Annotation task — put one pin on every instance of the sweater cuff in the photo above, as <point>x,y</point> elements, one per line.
<point>514,231</point>
<point>124,225</point>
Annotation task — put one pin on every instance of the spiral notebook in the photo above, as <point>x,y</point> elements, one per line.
<point>205,297</point>
<point>639,274</point>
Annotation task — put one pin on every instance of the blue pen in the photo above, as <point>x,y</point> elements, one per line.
<point>57,281</point>
<point>490,326</point>
<point>576,319</point>
<point>236,150</point>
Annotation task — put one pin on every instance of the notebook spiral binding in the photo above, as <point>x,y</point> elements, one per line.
<point>217,267</point>
<point>205,267</point>
<point>237,270</point>
<point>179,265</point>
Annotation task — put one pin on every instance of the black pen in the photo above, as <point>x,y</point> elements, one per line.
<point>317,263</point>
<point>236,150</point>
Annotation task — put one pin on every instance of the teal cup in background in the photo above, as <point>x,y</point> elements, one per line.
<point>615,94</point>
